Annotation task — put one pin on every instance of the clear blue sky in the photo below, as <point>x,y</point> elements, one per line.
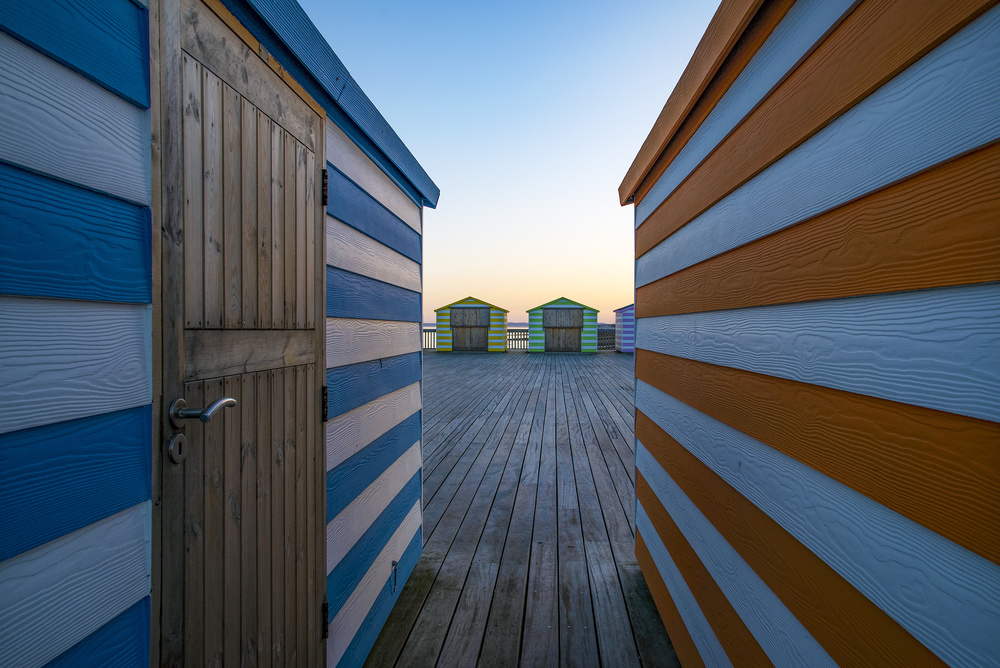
<point>527,116</point>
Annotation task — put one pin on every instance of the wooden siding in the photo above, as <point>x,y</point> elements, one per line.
<point>493,328</point>
<point>537,336</point>
<point>625,329</point>
<point>818,307</point>
<point>76,378</point>
<point>373,343</point>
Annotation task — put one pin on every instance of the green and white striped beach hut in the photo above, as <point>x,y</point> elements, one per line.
<point>562,325</point>
<point>471,325</point>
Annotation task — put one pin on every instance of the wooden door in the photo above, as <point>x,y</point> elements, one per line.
<point>563,327</point>
<point>243,540</point>
<point>470,329</point>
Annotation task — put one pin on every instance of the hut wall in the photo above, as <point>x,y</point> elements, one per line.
<point>373,374</point>
<point>75,333</point>
<point>818,304</point>
<point>625,329</point>
<point>536,329</point>
<point>496,333</point>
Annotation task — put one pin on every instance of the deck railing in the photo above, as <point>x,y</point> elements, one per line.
<point>517,339</point>
<point>605,338</point>
<point>430,338</point>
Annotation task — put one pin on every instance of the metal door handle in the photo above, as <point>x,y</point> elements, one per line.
<point>179,410</point>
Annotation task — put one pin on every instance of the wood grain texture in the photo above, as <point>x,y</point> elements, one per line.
<point>232,207</point>
<point>353,251</point>
<point>774,42</point>
<point>742,648</point>
<point>124,641</point>
<point>719,38</point>
<point>931,348</point>
<point>250,242</point>
<point>48,377</point>
<point>835,78</point>
<point>213,188</point>
<point>212,353</point>
<point>694,620</point>
<point>56,595</point>
<point>680,638</point>
<point>62,125</point>
<point>354,385</point>
<point>350,295</point>
<point>936,228</point>
<point>302,184</point>
<point>278,241</point>
<point>265,243</point>
<point>68,242</point>
<point>343,530</point>
<point>352,205</point>
<point>61,477</point>
<point>346,156</point>
<point>193,195</point>
<point>290,224</point>
<point>890,555</point>
<point>929,454</point>
<point>347,433</point>
<point>211,42</point>
<point>349,341</point>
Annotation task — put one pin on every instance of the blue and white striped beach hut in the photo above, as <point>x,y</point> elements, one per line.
<point>625,329</point>
<point>210,299</point>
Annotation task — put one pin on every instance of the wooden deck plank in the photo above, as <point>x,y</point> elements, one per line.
<point>528,501</point>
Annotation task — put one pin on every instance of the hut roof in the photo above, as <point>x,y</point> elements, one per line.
<point>467,300</point>
<point>562,299</point>
<point>624,307</point>
<point>342,97</point>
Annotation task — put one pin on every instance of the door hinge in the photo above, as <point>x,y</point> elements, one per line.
<point>326,187</point>
<point>326,619</point>
<point>325,403</point>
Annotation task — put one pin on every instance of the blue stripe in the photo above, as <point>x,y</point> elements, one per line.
<point>350,204</point>
<point>62,477</point>
<point>345,577</point>
<point>364,640</point>
<point>106,41</point>
<point>944,105</point>
<point>807,22</point>
<point>326,83</point>
<point>121,643</point>
<point>355,385</point>
<point>348,480</point>
<point>350,295</point>
<point>61,240</point>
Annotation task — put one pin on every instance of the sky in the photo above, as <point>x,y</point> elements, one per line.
<point>526,114</point>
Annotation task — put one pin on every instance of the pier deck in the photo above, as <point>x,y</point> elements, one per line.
<point>528,519</point>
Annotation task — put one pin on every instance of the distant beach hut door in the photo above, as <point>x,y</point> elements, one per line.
<point>563,327</point>
<point>470,329</point>
<point>242,538</point>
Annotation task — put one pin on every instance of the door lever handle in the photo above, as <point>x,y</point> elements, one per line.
<point>179,410</point>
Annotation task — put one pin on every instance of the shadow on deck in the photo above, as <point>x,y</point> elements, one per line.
<point>528,519</point>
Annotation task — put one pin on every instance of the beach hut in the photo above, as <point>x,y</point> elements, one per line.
<point>816,337</point>
<point>625,329</point>
<point>562,326</point>
<point>210,344</point>
<point>471,325</point>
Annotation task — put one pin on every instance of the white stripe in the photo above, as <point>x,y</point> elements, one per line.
<point>344,530</point>
<point>347,622</point>
<point>345,155</point>
<point>354,251</point>
<point>950,99</point>
<point>57,594</point>
<point>349,341</point>
<point>694,619</point>
<point>62,360</point>
<point>941,593</point>
<point>57,122</point>
<point>779,633</point>
<point>346,434</point>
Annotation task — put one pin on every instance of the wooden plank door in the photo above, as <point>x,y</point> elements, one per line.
<point>469,327</point>
<point>243,538</point>
<point>563,328</point>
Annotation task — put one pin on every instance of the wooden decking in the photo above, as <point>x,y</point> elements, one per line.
<point>528,519</point>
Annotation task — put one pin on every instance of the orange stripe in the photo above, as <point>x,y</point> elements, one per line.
<point>720,36</point>
<point>936,229</point>
<point>939,469</point>
<point>876,42</point>
<point>680,638</point>
<point>852,629</point>
<point>740,645</point>
<point>755,34</point>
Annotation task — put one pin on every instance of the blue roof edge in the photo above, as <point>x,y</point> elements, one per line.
<point>297,44</point>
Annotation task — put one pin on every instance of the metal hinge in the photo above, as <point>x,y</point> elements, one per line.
<point>326,619</point>
<point>325,403</point>
<point>326,187</point>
